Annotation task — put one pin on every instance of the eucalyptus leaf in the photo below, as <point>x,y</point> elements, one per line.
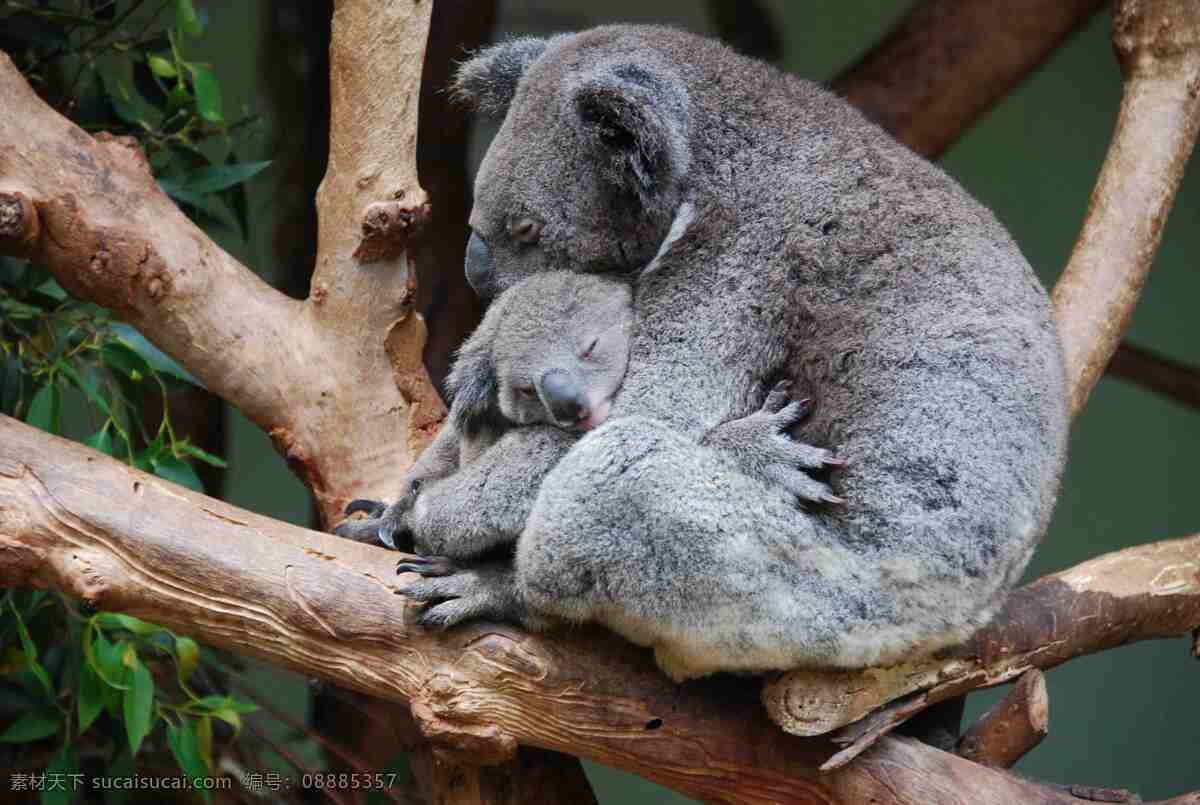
<point>138,704</point>
<point>178,471</point>
<point>31,655</point>
<point>89,697</point>
<point>188,654</point>
<point>185,746</point>
<point>45,410</point>
<point>202,455</point>
<point>220,177</point>
<point>158,360</point>
<point>208,94</point>
<point>189,21</point>
<point>32,727</point>
<point>101,440</point>
<point>161,67</point>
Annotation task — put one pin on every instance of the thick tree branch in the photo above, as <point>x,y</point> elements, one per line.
<point>91,212</point>
<point>1011,727</point>
<point>1143,593</point>
<point>1158,44</point>
<point>946,62</point>
<point>328,607</point>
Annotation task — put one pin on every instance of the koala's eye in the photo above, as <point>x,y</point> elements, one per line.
<point>525,230</point>
<point>528,392</point>
<point>587,352</point>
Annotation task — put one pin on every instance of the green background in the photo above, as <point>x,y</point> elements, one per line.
<point>1127,718</point>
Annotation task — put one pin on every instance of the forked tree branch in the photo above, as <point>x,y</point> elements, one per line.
<point>91,212</point>
<point>1158,44</point>
<point>328,607</point>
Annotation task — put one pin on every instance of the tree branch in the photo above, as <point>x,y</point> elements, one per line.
<point>1158,44</point>
<point>91,212</point>
<point>1169,378</point>
<point>1142,593</point>
<point>328,607</point>
<point>1012,727</point>
<point>946,62</point>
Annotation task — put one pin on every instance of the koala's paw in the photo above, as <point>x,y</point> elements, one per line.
<point>762,447</point>
<point>383,523</point>
<point>457,593</point>
<point>793,460</point>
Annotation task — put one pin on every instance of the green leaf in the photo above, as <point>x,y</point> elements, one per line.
<point>226,703</point>
<point>52,289</point>
<point>185,746</point>
<point>101,440</point>
<point>204,739</point>
<point>118,620</point>
<point>31,657</point>
<point>220,177</point>
<point>178,471</point>
<point>189,656</point>
<point>208,94</point>
<point>138,705</point>
<point>116,74</point>
<point>206,457</point>
<point>106,659</point>
<point>161,67</point>
<point>189,21</point>
<point>87,386</point>
<point>65,767</point>
<point>124,359</point>
<point>158,360</point>
<point>90,697</point>
<point>32,727</point>
<point>45,411</point>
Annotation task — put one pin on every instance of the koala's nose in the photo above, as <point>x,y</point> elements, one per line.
<point>479,267</point>
<point>563,397</point>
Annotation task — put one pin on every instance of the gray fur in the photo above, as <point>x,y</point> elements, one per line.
<point>560,324</point>
<point>819,251</point>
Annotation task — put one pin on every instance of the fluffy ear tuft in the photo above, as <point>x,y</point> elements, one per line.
<point>639,121</point>
<point>488,80</point>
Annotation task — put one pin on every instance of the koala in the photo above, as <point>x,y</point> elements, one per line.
<point>771,234</point>
<point>552,349</point>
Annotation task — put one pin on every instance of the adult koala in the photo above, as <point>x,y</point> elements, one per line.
<point>778,235</point>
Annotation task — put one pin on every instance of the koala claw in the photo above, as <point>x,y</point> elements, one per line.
<point>463,594</point>
<point>427,566</point>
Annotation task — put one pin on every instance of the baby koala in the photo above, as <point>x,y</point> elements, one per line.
<point>552,349</point>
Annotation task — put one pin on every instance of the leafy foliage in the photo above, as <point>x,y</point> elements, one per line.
<point>69,367</point>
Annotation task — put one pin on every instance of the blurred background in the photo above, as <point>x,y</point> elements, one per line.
<point>1126,718</point>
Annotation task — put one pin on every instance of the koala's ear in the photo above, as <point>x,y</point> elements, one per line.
<point>488,80</point>
<point>473,387</point>
<point>639,123</point>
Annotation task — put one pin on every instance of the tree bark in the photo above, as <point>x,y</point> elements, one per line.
<point>91,212</point>
<point>1012,727</point>
<point>328,607</point>
<point>1158,45</point>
